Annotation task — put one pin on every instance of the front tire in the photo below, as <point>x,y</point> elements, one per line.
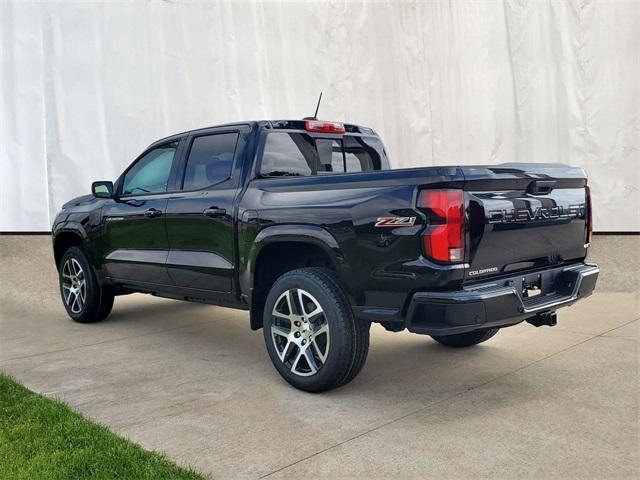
<point>82,296</point>
<point>462,340</point>
<point>311,334</point>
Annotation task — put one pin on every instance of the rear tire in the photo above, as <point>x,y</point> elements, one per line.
<point>312,337</point>
<point>82,296</point>
<point>466,339</point>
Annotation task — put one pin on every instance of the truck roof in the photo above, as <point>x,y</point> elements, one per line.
<point>275,124</point>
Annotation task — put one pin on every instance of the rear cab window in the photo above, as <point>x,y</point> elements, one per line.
<point>298,153</point>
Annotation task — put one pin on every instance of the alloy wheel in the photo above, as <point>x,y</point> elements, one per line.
<point>300,332</point>
<point>74,285</point>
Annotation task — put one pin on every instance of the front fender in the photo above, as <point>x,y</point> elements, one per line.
<point>70,227</point>
<point>88,236</point>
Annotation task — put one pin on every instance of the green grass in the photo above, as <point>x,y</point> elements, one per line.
<point>41,438</point>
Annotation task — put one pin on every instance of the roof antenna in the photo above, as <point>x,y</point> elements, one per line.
<point>315,115</point>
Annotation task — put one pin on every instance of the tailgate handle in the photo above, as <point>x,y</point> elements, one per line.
<point>541,187</point>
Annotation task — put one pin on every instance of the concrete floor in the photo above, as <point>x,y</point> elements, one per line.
<point>193,381</point>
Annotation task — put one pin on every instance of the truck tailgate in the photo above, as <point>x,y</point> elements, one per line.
<point>523,216</point>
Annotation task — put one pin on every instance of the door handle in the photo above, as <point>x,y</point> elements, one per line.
<point>214,212</point>
<point>152,213</point>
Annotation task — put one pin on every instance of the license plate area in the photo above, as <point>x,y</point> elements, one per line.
<point>531,285</point>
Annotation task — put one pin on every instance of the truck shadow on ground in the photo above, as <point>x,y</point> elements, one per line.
<point>216,334</point>
<point>124,312</point>
<point>220,336</point>
<point>218,347</point>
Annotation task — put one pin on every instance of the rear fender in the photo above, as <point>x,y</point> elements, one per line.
<point>309,234</point>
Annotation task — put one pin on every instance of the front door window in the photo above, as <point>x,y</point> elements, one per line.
<point>151,173</point>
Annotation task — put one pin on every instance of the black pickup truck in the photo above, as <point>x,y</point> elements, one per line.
<point>304,224</point>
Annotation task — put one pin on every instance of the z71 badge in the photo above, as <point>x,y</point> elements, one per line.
<point>395,221</point>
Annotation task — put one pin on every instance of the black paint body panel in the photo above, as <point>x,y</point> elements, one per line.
<point>183,253</point>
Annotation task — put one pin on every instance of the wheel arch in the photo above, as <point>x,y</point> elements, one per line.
<point>65,238</point>
<point>279,249</point>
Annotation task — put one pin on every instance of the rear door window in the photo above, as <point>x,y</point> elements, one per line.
<point>210,160</point>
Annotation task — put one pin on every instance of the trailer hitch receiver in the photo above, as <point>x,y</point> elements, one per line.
<point>548,318</point>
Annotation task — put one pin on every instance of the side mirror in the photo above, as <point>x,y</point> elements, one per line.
<point>102,189</point>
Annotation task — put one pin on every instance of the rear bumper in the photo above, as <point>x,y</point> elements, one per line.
<point>498,303</point>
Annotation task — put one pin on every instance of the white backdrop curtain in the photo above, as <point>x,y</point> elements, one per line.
<point>87,85</point>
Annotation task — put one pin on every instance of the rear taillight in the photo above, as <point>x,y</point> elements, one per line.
<point>589,214</point>
<point>443,239</point>
<point>325,127</point>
